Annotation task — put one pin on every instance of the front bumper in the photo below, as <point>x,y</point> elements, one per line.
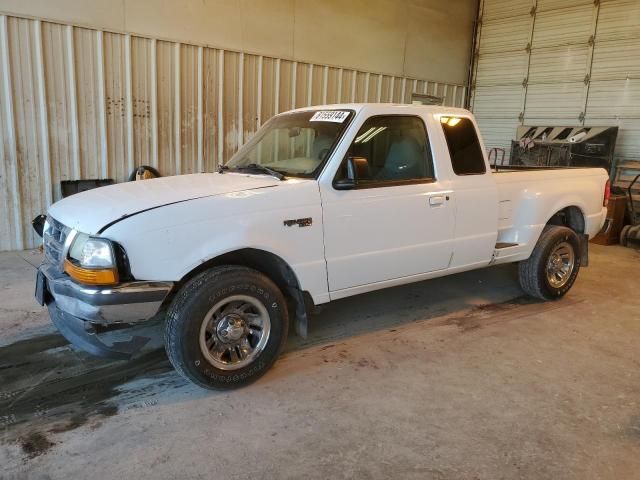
<point>80,312</point>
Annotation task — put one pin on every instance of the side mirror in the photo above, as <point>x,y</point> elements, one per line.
<point>357,167</point>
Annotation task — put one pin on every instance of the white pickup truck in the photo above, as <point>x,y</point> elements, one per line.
<point>322,203</point>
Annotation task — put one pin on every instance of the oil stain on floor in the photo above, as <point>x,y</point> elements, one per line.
<point>48,387</point>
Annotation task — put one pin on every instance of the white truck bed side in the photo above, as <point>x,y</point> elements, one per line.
<point>528,199</point>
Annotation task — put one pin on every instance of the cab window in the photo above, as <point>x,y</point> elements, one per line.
<point>464,146</point>
<point>396,148</point>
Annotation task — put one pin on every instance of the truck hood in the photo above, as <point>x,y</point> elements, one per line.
<point>92,210</point>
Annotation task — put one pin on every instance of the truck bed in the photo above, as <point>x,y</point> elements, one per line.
<point>524,191</point>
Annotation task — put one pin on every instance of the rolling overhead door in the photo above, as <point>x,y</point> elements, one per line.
<point>558,62</point>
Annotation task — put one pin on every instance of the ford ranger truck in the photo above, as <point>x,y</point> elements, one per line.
<point>322,203</point>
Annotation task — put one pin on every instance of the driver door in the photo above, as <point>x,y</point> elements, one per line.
<point>398,221</point>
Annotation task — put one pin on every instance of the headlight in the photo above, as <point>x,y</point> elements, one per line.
<point>92,261</point>
<point>92,252</point>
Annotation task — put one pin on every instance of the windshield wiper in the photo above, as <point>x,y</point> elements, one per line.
<point>261,168</point>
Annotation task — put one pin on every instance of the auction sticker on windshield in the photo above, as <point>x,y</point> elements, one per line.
<point>337,116</point>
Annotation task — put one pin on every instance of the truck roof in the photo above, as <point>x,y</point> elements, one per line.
<point>381,108</point>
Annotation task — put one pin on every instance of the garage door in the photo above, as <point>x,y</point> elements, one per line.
<point>558,62</point>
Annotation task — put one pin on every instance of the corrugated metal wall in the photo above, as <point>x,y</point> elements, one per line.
<point>558,62</point>
<point>78,103</point>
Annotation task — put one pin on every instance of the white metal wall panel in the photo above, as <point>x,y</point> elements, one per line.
<point>435,89</point>
<point>502,101</point>
<point>284,85</point>
<point>505,35</point>
<point>330,85</point>
<point>558,64</point>
<point>166,92</point>
<point>581,67</point>
<point>616,59</point>
<point>426,88</point>
<point>142,78</point>
<point>496,133</point>
<point>546,5</point>
<point>362,86</point>
<point>29,148</point>
<point>212,108</point>
<point>554,100</point>
<point>87,75</point>
<point>10,235</point>
<point>348,87</point>
<point>562,27</point>
<point>190,154</point>
<point>618,19</point>
<point>116,65</point>
<point>251,76</point>
<point>315,87</point>
<point>269,99</point>
<point>303,75</point>
<point>231,95</point>
<point>9,202</point>
<point>385,85</point>
<point>80,103</point>
<point>504,68</point>
<point>57,73</point>
<point>614,99</point>
<point>506,8</point>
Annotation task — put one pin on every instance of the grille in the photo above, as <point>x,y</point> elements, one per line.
<point>54,237</point>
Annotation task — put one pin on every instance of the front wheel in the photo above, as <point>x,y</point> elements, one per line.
<point>226,327</point>
<point>553,266</point>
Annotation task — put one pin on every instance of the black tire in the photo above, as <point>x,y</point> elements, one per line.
<point>533,271</point>
<point>189,309</point>
<point>624,235</point>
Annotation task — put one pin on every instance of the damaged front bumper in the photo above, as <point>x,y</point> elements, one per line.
<point>81,312</point>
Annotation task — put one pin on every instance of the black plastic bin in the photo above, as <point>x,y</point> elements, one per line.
<point>69,187</point>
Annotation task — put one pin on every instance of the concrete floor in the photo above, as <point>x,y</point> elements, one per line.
<point>455,378</point>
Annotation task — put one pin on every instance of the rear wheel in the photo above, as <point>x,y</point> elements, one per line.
<point>226,327</point>
<point>553,266</point>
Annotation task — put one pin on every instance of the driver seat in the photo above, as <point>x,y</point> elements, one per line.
<point>404,161</point>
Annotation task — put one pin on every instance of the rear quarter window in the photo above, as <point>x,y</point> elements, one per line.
<point>464,146</point>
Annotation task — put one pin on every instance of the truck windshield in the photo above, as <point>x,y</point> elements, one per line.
<point>293,144</point>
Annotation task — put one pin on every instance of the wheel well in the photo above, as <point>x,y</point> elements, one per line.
<point>270,265</point>
<point>300,302</point>
<point>571,217</point>
<point>265,262</point>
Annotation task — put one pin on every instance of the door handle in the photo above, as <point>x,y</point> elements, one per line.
<point>436,200</point>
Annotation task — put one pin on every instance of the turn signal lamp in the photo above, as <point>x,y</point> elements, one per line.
<point>90,276</point>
